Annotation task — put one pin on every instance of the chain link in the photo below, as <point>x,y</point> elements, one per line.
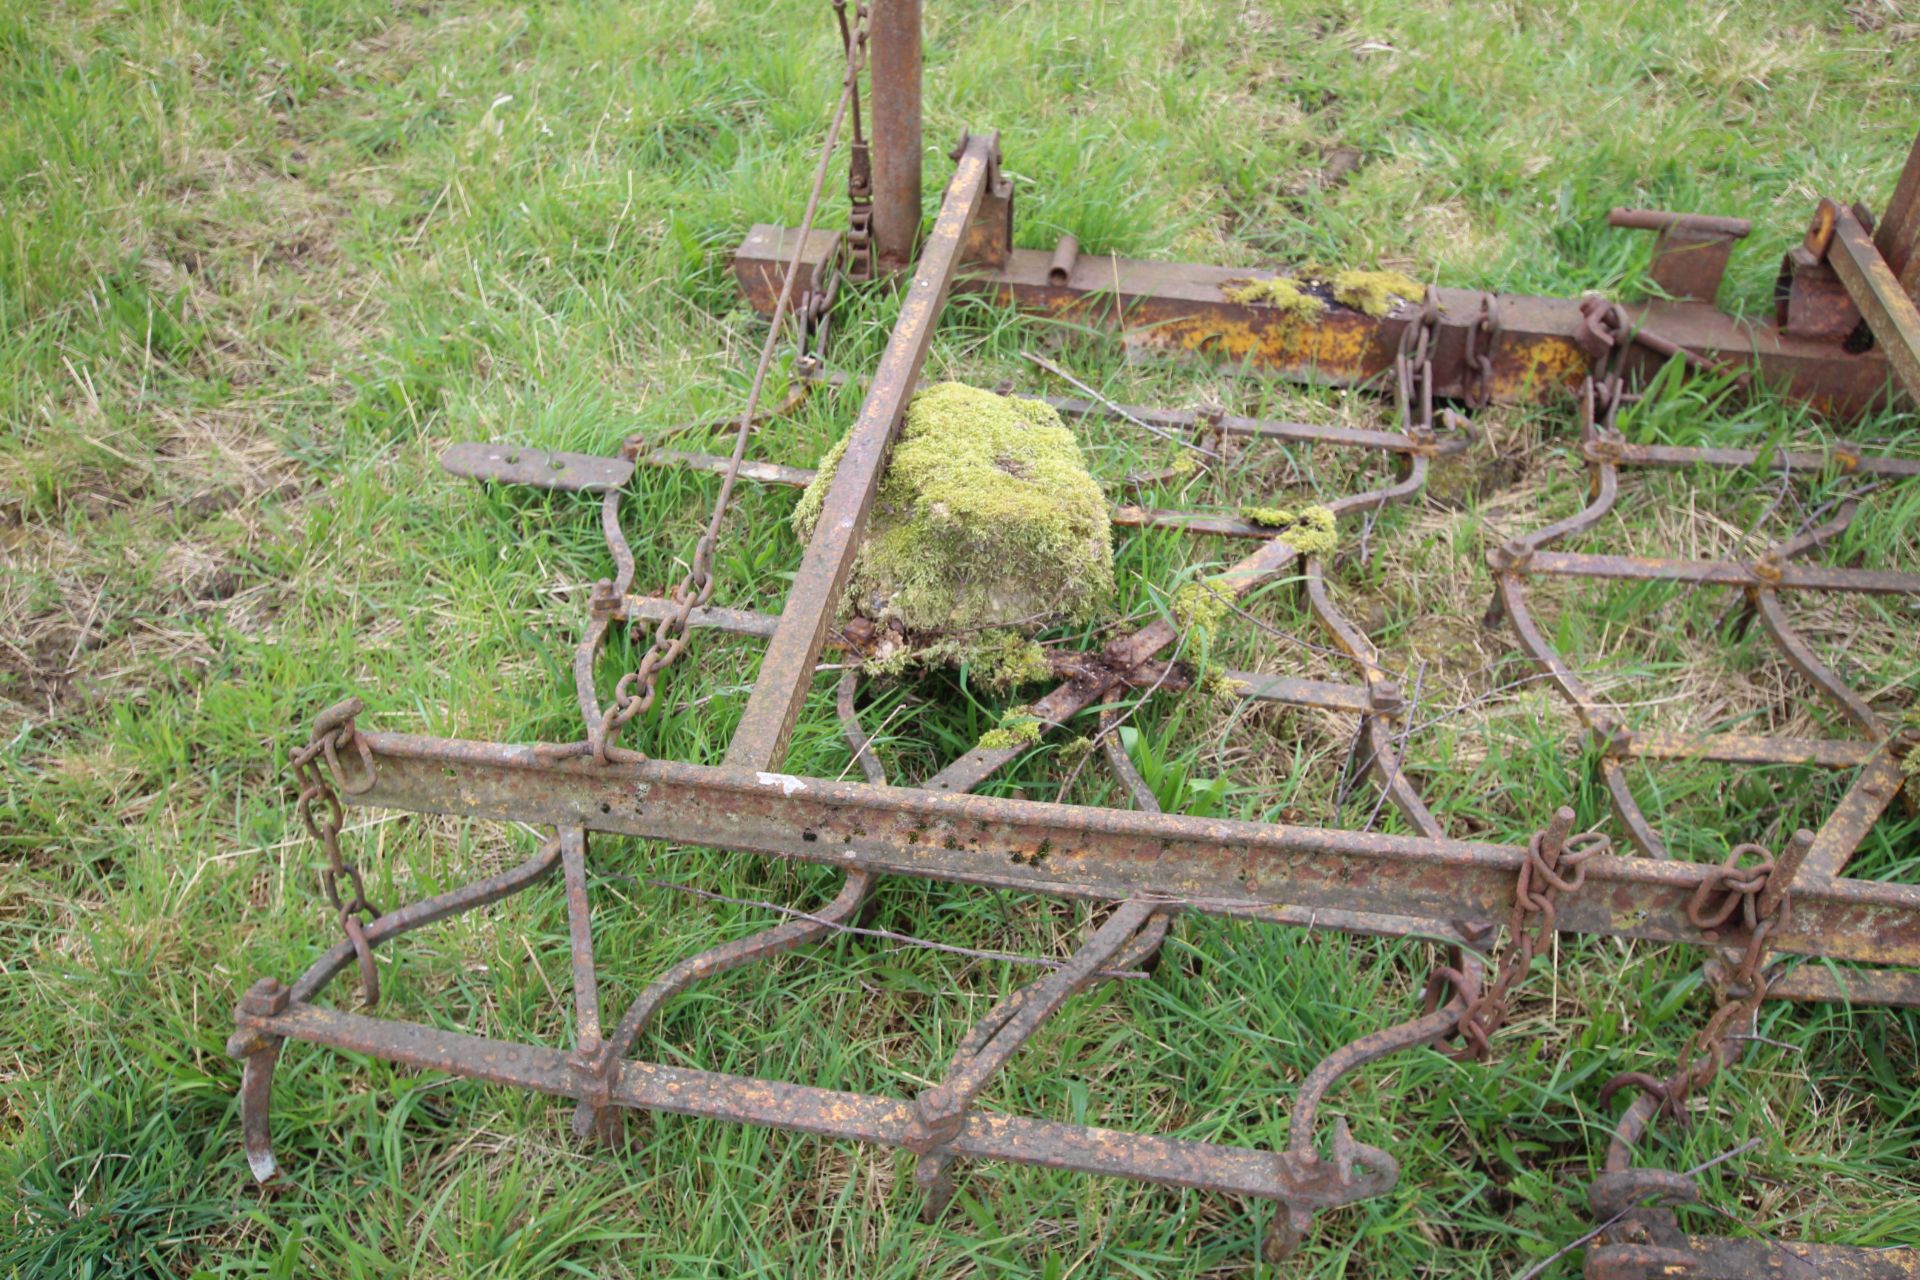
<point>1733,890</point>
<point>1482,334</point>
<point>321,814</point>
<point>1555,864</point>
<point>635,692</point>
<point>1413,372</point>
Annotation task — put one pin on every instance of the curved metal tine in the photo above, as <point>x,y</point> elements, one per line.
<point>1291,1221</point>
<point>587,652</point>
<point>941,1110</point>
<point>416,915</point>
<point>857,739</point>
<point>262,1056</point>
<point>589,1119</point>
<point>1605,492</point>
<point>1627,809</point>
<point>1801,656</point>
<point>1511,597</point>
<point>1122,764</point>
<point>256,1108</point>
<point>1382,757</point>
<point>790,935</point>
<point>1802,543</point>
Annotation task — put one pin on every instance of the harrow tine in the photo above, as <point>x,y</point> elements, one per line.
<point>594,1117</point>
<point>940,1112</point>
<point>260,1053</point>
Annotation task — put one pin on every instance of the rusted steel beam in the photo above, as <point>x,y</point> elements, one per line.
<point>786,673</point>
<point>1179,309</point>
<point>586,984</point>
<point>1874,287</point>
<point>1647,1244</point>
<point>1827,983</point>
<point>541,468</point>
<point>1752,748</point>
<point>1209,865</point>
<point>1251,685</point>
<point>828,1112</point>
<point>1847,461</point>
<point>894,70</point>
<point>1897,234</point>
<point>1840,835</point>
<point>1723,574</point>
<point>1258,428</point>
<point>1127,517</point>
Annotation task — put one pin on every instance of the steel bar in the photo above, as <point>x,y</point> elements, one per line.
<point>1883,302</point>
<point>1128,516</point>
<point>786,673</point>
<point>1819,982</point>
<point>1752,748</point>
<point>540,468</point>
<point>586,985</point>
<point>1847,461</point>
<point>1209,865</point>
<point>894,69</point>
<point>825,1112</point>
<point>1840,835</point>
<point>1723,574</point>
<point>1259,428</point>
<point>1179,309</point>
<point>1251,685</point>
<point>1897,234</point>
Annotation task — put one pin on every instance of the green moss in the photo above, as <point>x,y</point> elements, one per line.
<point>1310,530</point>
<point>1184,464</point>
<point>1200,606</point>
<point>1074,750</point>
<point>1005,660</point>
<point>1019,727</point>
<point>1375,292</point>
<point>1213,682</point>
<point>986,517</point>
<point>1279,292</point>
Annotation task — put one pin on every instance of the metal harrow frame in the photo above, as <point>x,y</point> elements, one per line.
<point>1149,865</point>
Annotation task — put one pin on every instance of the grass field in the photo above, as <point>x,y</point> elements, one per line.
<point>259,264</point>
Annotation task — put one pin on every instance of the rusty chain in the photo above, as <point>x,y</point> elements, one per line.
<point>320,812</point>
<point>1482,335</point>
<point>1732,890</point>
<point>635,692</point>
<point>1554,865</point>
<point>1413,372</point>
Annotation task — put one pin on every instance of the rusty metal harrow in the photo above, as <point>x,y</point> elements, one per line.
<point>1757,908</point>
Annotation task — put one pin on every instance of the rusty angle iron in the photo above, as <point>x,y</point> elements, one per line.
<point>1845,340</point>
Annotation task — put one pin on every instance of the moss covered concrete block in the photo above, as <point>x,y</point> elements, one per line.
<point>986,518</point>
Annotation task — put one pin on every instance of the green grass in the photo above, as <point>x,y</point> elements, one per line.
<point>259,264</point>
